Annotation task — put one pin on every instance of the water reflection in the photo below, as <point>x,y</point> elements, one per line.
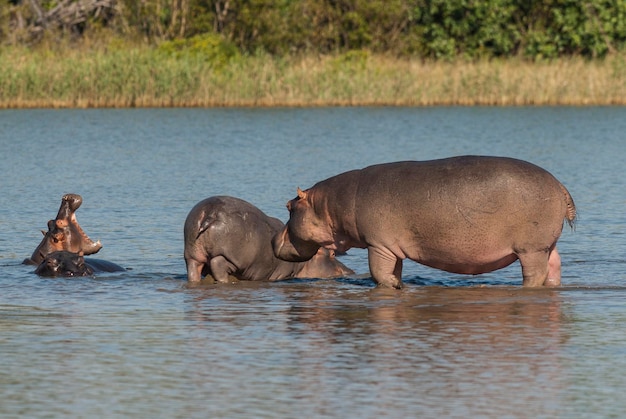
<point>479,350</point>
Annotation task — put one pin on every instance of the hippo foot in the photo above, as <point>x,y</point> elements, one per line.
<point>552,282</point>
<point>209,279</point>
<point>393,284</point>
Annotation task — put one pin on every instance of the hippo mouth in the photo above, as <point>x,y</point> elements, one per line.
<point>67,212</point>
<point>64,233</point>
<point>69,204</point>
<point>339,247</point>
<point>74,201</point>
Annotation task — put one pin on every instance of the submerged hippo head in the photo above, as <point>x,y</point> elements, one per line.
<point>64,263</point>
<point>324,264</point>
<point>64,233</point>
<point>304,233</point>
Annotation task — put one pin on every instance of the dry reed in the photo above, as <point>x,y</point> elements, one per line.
<point>143,77</point>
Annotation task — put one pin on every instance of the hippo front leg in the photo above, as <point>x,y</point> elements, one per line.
<point>385,267</point>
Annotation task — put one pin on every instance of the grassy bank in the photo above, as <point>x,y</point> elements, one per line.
<point>144,77</point>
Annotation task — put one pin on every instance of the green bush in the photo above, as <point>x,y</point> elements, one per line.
<point>441,29</point>
<point>209,47</point>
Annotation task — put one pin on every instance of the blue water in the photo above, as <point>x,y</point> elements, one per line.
<point>142,343</point>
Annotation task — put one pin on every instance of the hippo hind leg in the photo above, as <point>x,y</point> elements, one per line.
<point>541,268</point>
<point>221,268</point>
<point>194,270</point>
<point>554,269</point>
<point>385,267</point>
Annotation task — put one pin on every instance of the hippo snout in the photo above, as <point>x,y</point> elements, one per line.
<point>74,201</point>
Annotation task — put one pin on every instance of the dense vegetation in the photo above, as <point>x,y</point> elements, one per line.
<point>434,29</point>
<point>95,53</point>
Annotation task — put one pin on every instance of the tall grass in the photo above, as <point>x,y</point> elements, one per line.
<point>147,77</point>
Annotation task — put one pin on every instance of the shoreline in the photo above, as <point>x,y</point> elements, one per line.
<point>57,106</point>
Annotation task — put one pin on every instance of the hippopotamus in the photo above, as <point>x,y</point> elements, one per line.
<point>64,233</point>
<point>64,263</point>
<point>229,236</point>
<point>70,264</point>
<point>466,215</point>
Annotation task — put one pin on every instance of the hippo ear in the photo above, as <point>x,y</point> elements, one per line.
<point>301,193</point>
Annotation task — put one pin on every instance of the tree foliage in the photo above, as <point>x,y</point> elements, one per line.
<point>442,29</point>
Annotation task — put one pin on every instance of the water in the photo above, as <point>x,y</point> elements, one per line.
<point>143,344</point>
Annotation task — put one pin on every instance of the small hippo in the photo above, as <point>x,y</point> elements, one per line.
<point>228,236</point>
<point>467,215</point>
<point>64,233</point>
<point>69,264</point>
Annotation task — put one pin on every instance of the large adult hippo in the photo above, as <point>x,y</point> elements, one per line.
<point>64,233</point>
<point>229,236</point>
<point>467,215</point>
<point>69,264</point>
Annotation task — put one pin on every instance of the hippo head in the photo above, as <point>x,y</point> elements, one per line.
<point>64,233</point>
<point>324,264</point>
<point>64,263</point>
<point>304,233</point>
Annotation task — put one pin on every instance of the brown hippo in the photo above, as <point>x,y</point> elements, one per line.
<point>228,236</point>
<point>69,264</point>
<point>64,233</point>
<point>466,215</point>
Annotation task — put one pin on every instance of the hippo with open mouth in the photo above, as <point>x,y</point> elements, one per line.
<point>64,233</point>
<point>467,215</point>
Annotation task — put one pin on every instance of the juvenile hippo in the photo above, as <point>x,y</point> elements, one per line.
<point>228,236</point>
<point>466,215</point>
<point>69,264</point>
<point>64,233</point>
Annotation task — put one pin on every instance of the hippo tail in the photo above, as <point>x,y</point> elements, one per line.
<point>570,214</point>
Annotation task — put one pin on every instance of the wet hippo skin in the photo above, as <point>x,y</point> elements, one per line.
<point>226,236</point>
<point>68,264</point>
<point>467,215</point>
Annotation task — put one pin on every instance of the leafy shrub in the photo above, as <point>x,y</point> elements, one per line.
<point>208,47</point>
<point>217,30</point>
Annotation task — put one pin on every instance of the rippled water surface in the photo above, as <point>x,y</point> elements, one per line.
<point>141,343</point>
